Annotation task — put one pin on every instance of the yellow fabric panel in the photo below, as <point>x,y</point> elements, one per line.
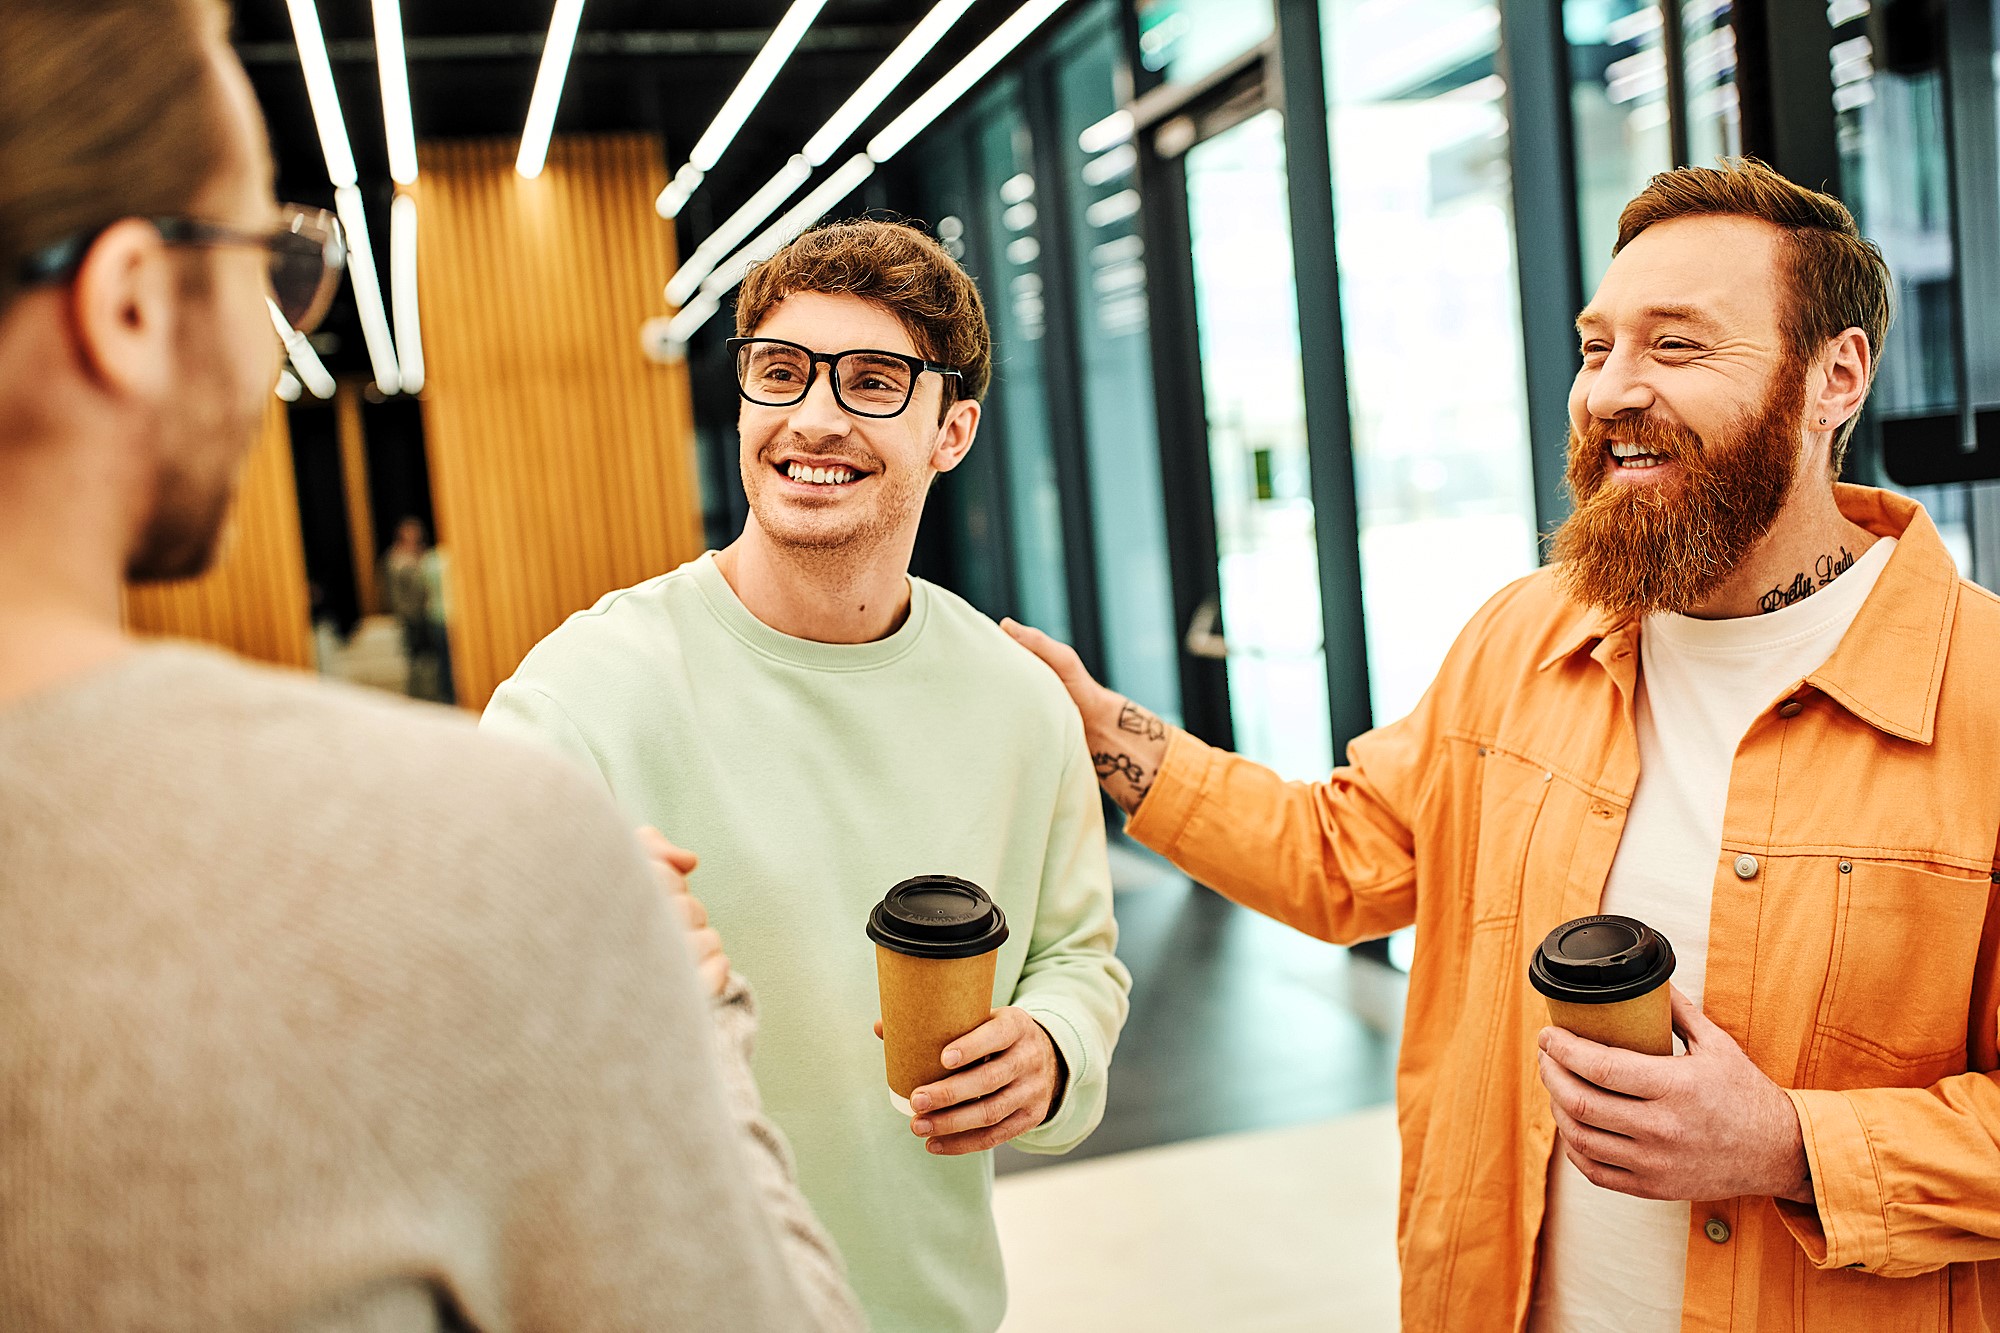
<point>562,460</point>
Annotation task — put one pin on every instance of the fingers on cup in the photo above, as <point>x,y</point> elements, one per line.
<point>983,1140</point>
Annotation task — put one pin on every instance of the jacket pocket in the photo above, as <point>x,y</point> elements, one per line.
<point>1897,1004</point>
<point>1512,792</point>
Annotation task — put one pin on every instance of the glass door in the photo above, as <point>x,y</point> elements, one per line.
<point>1267,622</point>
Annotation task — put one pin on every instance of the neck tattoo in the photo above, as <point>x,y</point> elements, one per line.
<point>1803,585</point>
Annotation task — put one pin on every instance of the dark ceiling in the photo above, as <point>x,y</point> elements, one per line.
<point>659,65</point>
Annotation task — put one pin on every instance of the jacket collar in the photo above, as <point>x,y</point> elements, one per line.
<point>1890,664</point>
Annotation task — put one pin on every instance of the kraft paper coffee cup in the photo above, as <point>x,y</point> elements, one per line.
<point>937,940</point>
<point>1605,978</point>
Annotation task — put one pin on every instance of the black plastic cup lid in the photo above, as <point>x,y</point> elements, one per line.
<point>937,916</point>
<point>1601,960</point>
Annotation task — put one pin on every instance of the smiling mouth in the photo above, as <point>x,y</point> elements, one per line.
<point>1630,457</point>
<point>831,477</point>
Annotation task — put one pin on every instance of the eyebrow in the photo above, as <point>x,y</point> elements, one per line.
<point>1655,314</point>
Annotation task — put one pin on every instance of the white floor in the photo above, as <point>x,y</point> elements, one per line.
<point>1283,1231</point>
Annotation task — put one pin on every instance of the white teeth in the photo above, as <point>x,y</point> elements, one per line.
<point>819,476</point>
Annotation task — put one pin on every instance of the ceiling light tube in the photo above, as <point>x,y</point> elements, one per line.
<point>368,291</point>
<point>311,370</point>
<point>736,109</point>
<point>403,292</point>
<point>563,25</point>
<point>827,141</point>
<point>802,215</point>
<point>688,278</point>
<point>318,69</point>
<point>397,120</point>
<point>960,78</point>
<point>875,89</point>
<point>784,39</point>
<point>697,313</point>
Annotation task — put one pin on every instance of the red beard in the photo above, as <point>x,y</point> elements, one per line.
<point>1641,549</point>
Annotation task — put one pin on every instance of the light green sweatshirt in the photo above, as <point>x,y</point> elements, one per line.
<point>811,777</point>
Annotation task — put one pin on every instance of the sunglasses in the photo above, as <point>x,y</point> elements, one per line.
<point>307,250</point>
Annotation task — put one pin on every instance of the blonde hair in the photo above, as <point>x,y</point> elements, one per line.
<point>108,109</point>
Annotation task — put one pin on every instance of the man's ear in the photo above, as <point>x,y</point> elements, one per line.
<point>1849,367</point>
<point>122,308</point>
<point>954,438</point>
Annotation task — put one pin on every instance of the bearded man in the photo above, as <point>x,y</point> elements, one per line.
<point>1749,706</point>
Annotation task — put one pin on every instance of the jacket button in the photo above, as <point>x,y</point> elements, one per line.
<point>1746,866</point>
<point>1790,708</point>
<point>1717,1230</point>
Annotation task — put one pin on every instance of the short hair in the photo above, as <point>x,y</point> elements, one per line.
<point>109,109</point>
<point>896,266</point>
<point>1835,278</point>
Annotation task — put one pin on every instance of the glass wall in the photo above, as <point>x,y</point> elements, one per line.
<point>1895,176</point>
<point>1101,209</point>
<point>1431,311</point>
<point>1246,301</point>
<point>1183,40</point>
<point>970,504</point>
<point>1012,224</point>
<point>1618,101</point>
<point>1715,121</point>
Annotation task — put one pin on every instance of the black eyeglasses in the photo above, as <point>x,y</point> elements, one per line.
<point>771,372</point>
<point>308,249</point>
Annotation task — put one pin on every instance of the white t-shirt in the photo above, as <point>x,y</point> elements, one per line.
<point>1611,1263</point>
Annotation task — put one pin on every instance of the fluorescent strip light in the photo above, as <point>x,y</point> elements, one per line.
<point>311,370</point>
<point>822,146</point>
<point>395,71</point>
<point>784,39</point>
<point>368,291</point>
<point>687,279</point>
<point>679,190</point>
<point>403,290</point>
<point>541,125</point>
<point>887,76</point>
<point>683,325</point>
<point>319,87</point>
<point>802,215</point>
<point>960,78</point>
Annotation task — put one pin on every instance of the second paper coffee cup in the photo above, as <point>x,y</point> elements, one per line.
<point>1605,978</point>
<point>937,940</point>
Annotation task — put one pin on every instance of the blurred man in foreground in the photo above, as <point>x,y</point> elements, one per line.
<point>321,1012</point>
<point>1749,707</point>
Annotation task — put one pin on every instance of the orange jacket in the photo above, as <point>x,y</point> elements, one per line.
<point>1855,938</point>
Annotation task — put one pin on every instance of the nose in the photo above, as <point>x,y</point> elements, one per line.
<point>1616,388</point>
<point>819,414</point>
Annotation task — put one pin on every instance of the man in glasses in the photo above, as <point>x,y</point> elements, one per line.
<point>320,1011</point>
<point>820,726</point>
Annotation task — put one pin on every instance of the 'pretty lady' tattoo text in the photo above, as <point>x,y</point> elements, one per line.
<point>1803,585</point>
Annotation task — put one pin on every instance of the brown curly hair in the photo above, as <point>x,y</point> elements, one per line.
<point>899,268</point>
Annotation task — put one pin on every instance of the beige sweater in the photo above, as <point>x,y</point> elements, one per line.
<point>319,1011</point>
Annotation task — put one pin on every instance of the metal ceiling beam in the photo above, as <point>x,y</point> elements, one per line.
<point>528,45</point>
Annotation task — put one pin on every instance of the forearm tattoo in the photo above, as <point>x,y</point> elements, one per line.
<point>1139,722</point>
<point>1126,767</point>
